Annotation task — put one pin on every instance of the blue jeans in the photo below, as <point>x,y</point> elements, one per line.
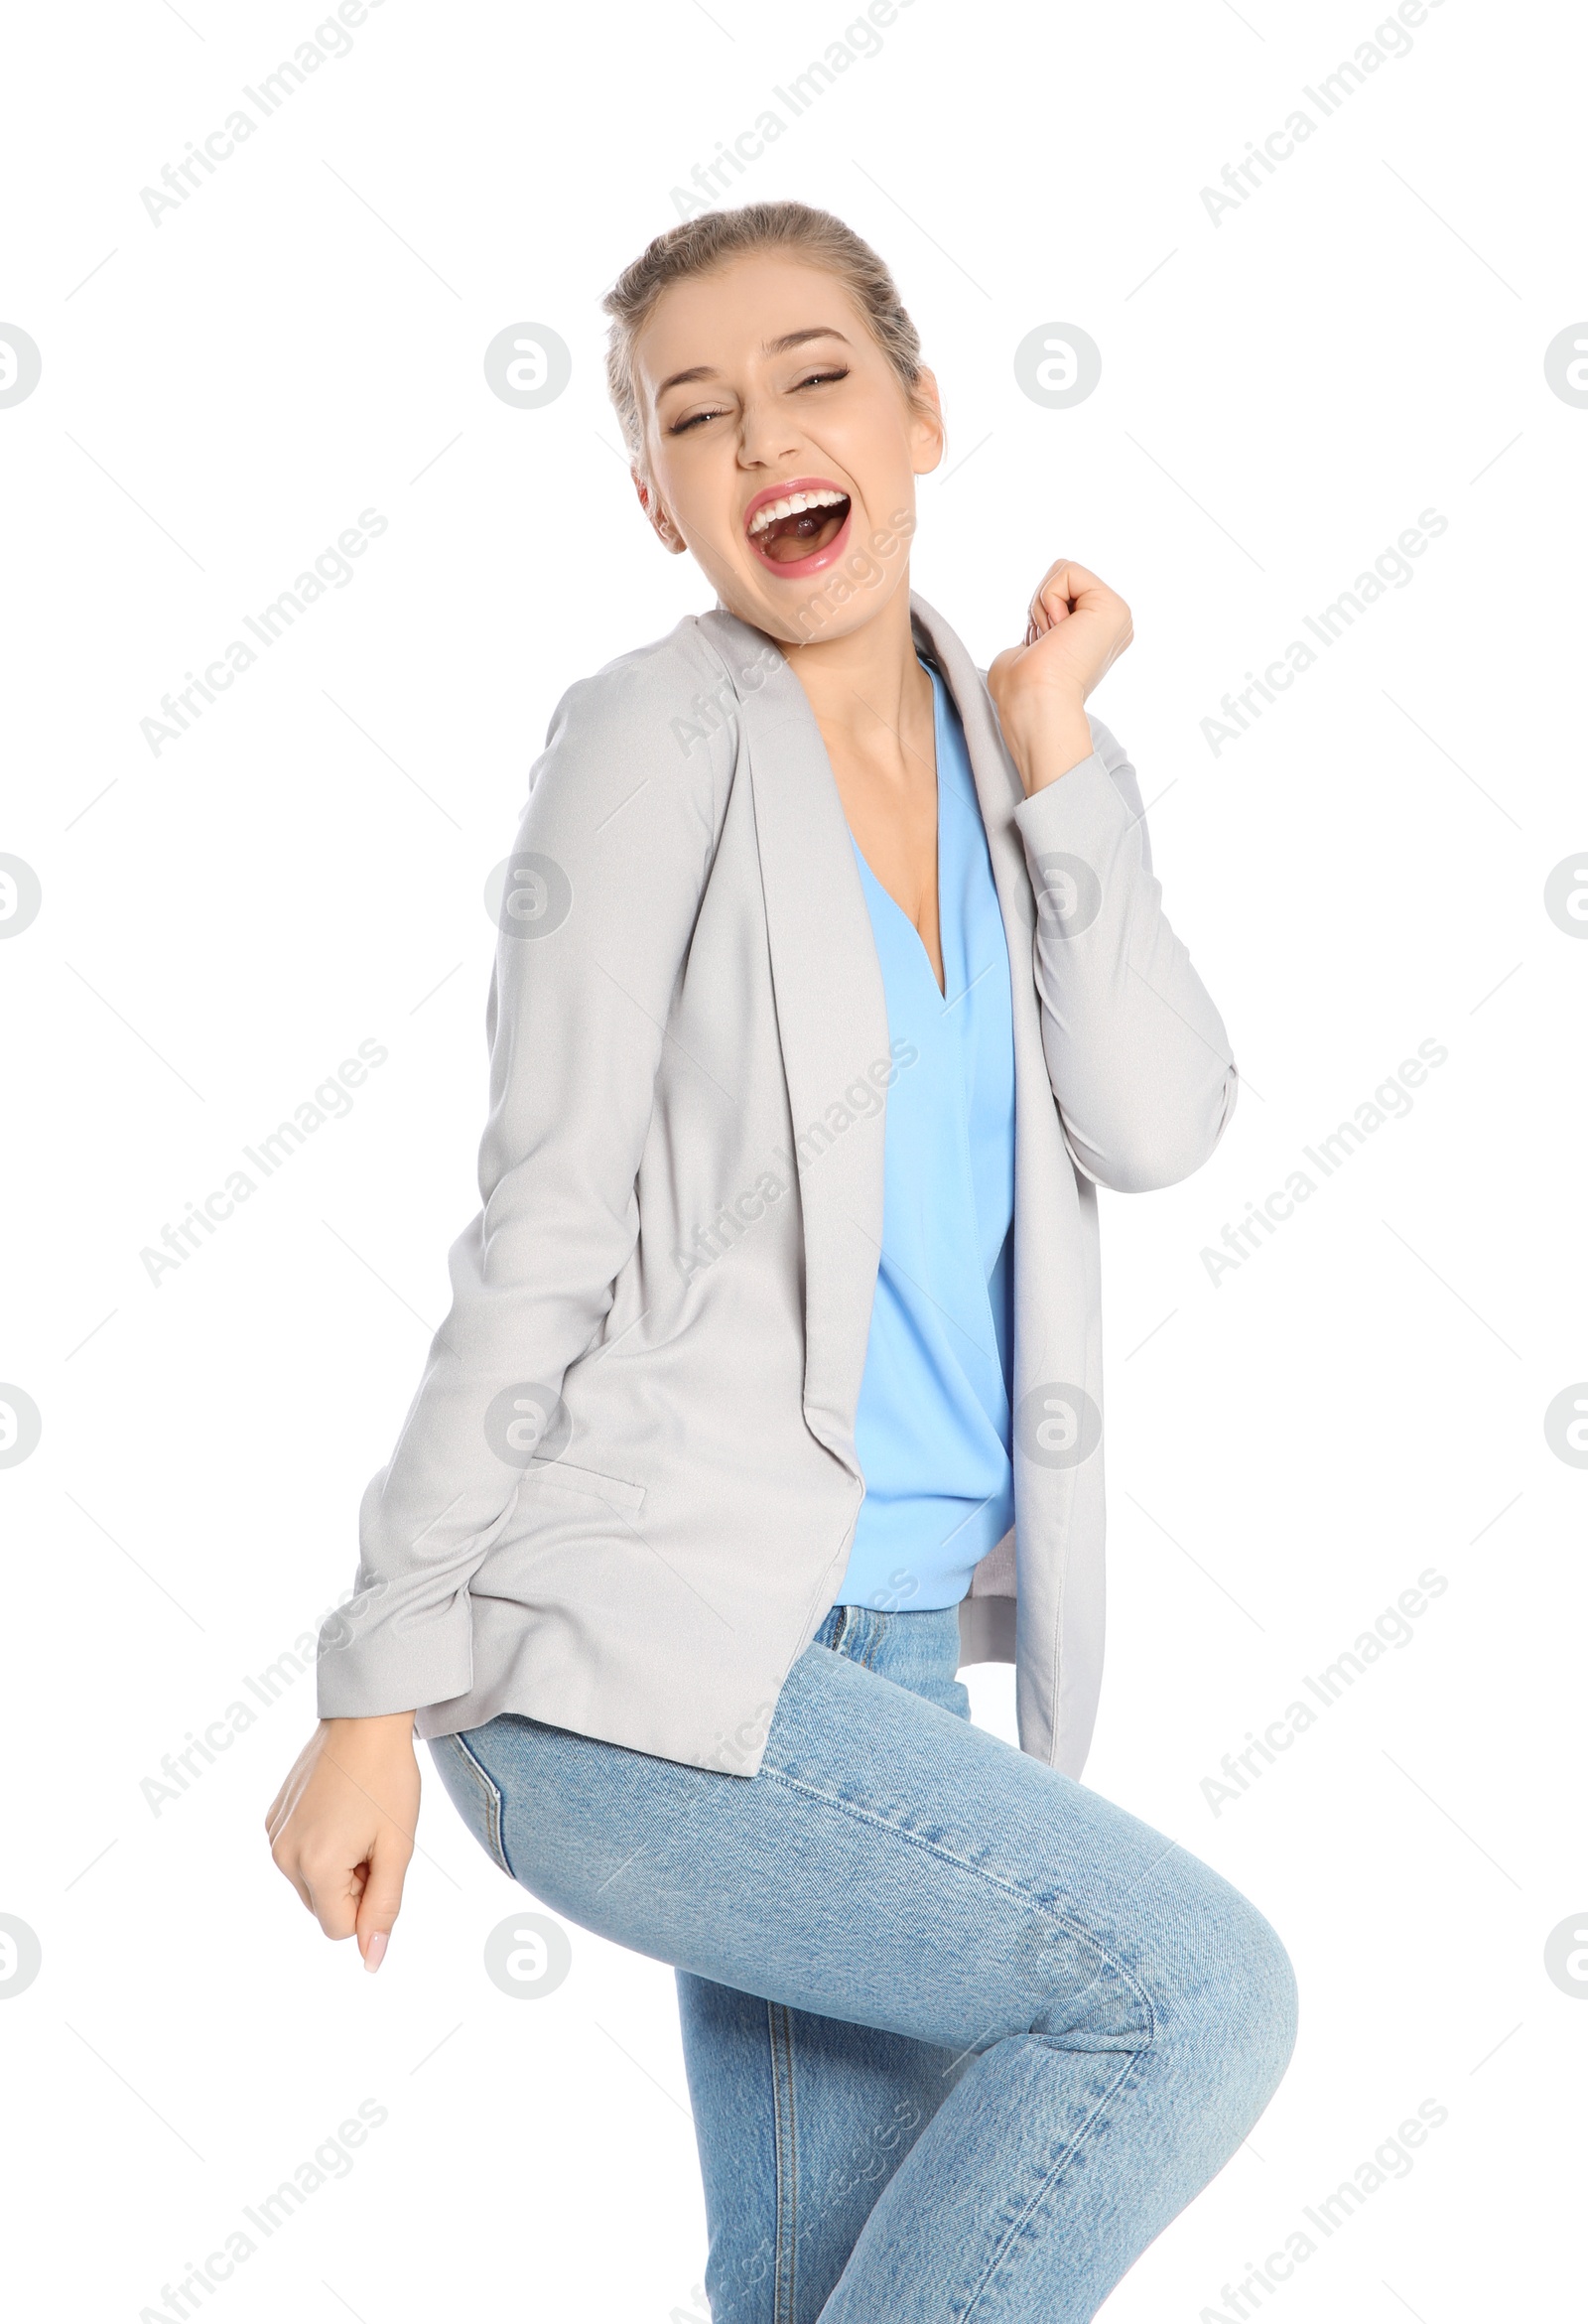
<point>961,2037</point>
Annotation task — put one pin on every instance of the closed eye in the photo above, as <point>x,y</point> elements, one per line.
<point>683,427</point>
<point>810,380</point>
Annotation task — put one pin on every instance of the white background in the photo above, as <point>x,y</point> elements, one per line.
<point>1282,393</point>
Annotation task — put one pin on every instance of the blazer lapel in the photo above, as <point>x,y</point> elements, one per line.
<point>832,1009</point>
<point>1052,1302</point>
<point>999,792</point>
<point>832,1017</point>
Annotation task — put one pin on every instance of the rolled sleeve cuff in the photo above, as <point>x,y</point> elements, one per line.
<point>375,1661</point>
<point>1081,806</point>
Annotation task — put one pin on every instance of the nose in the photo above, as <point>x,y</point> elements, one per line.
<point>768,437</point>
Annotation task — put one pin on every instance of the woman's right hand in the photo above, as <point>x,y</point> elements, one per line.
<point>342,1825</point>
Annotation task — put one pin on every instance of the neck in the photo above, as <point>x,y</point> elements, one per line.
<point>867,679</point>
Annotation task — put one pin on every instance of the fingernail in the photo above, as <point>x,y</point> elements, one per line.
<point>377,1949</point>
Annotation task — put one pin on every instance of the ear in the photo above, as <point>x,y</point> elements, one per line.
<point>660,522</point>
<point>927,433</point>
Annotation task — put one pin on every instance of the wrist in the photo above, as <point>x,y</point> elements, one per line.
<point>378,1726</point>
<point>1048,739</point>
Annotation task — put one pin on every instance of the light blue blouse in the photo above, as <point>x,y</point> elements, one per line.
<point>932,1425</point>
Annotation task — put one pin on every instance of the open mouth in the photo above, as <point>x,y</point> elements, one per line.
<point>793,528</point>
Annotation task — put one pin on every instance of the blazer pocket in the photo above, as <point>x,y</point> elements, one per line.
<point>616,1491</point>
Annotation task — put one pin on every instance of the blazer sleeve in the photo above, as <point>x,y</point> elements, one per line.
<point>1138,1054</point>
<point>609,864</point>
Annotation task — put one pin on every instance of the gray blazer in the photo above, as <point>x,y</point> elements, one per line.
<point>623,1495</point>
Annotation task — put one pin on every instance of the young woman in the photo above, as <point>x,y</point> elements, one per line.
<point>833,981</point>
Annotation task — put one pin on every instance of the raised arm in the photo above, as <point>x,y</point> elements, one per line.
<point>1137,1052</point>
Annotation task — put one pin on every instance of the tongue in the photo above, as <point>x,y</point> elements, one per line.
<point>802,528</point>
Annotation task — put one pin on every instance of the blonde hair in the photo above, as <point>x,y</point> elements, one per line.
<point>700,244</point>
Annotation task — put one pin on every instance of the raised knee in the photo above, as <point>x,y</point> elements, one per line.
<point>1270,2003</point>
<point>1248,2016</point>
<point>1224,2003</point>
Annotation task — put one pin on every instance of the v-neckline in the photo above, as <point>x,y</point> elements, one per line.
<point>941,990</point>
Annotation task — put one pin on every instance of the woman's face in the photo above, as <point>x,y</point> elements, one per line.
<point>760,382</point>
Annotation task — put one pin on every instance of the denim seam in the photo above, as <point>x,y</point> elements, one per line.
<point>496,1848</point>
<point>1015,2225</point>
<point>980,1872</point>
<point>780,2033</point>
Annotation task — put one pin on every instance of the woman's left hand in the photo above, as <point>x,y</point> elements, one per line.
<point>1078,629</point>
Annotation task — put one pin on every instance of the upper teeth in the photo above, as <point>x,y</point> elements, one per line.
<point>771,510</point>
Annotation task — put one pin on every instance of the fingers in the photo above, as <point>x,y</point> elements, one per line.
<point>320,1857</point>
<point>1068,589</point>
<point>287,1855</point>
<point>1051,603</point>
<point>349,1898</point>
<point>333,1887</point>
<point>289,1872</point>
<point>1045,617</point>
<point>1059,590</point>
<point>382,1896</point>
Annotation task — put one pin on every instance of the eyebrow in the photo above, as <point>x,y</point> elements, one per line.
<point>771,347</point>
